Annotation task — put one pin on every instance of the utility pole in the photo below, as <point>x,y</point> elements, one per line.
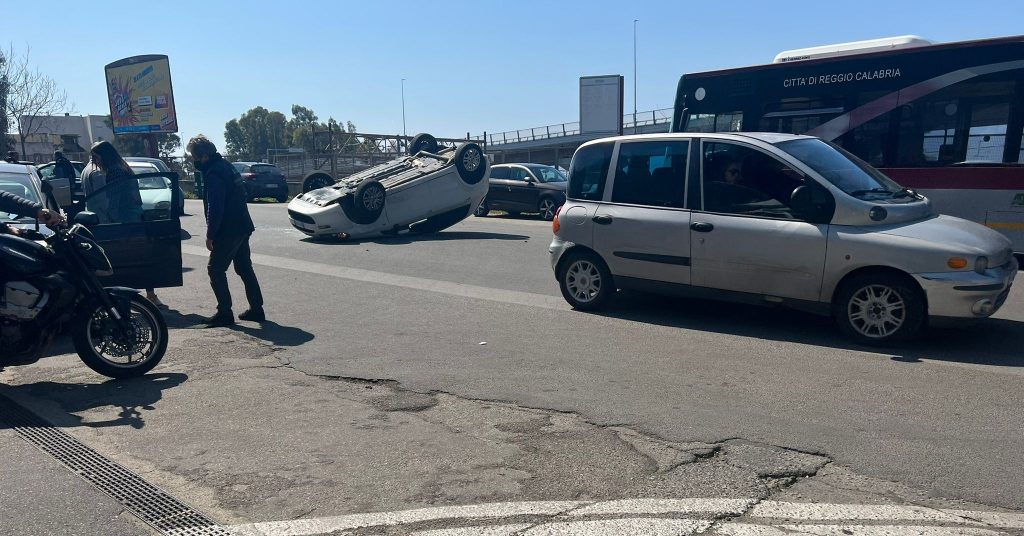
<point>634,74</point>
<point>403,109</point>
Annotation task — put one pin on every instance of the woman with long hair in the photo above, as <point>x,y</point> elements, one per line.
<point>123,197</point>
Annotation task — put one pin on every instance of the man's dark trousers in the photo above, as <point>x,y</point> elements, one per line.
<point>228,250</point>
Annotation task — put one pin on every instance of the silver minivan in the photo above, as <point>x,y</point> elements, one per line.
<point>770,219</point>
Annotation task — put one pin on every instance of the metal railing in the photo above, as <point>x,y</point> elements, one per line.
<point>629,123</point>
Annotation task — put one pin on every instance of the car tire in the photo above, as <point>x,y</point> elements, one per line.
<point>878,309</point>
<point>483,209</point>
<point>547,208</point>
<point>585,281</point>
<point>471,163</point>
<point>315,181</point>
<point>369,201</point>
<point>422,142</point>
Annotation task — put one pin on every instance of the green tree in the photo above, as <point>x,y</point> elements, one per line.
<point>135,144</point>
<point>256,131</point>
<point>234,138</point>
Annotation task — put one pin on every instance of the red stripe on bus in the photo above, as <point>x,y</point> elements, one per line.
<point>959,178</point>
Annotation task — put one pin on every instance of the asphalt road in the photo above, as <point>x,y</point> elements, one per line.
<point>942,415</point>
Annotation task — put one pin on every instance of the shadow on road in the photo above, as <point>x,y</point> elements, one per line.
<point>133,396</point>
<point>409,238</point>
<point>994,341</point>
<point>268,331</point>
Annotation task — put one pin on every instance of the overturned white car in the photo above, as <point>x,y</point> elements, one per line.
<point>428,191</point>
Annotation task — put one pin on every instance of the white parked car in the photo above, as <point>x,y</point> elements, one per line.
<point>771,219</point>
<point>425,192</point>
<point>154,190</point>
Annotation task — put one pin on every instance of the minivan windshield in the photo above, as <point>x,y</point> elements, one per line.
<point>851,174</point>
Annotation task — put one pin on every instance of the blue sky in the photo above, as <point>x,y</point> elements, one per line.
<point>469,66</point>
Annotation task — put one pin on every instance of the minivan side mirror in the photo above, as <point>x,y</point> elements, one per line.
<point>86,218</point>
<point>812,203</point>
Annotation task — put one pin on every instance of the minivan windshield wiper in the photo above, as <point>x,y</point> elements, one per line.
<point>858,193</point>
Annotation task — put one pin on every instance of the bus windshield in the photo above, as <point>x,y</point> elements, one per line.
<point>849,173</point>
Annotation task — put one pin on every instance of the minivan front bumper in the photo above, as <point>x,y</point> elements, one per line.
<point>967,294</point>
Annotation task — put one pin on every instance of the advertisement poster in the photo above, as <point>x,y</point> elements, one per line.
<point>140,95</point>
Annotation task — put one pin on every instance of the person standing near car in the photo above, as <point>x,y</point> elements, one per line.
<point>121,200</point>
<point>62,167</point>
<point>228,228</point>
<point>12,157</point>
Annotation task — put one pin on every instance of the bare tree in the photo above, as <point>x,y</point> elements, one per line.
<point>30,95</point>
<point>3,103</point>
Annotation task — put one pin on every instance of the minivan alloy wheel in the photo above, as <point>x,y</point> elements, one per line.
<point>876,311</point>
<point>583,280</point>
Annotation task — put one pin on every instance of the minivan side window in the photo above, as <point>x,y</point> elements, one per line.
<point>651,173</point>
<point>588,171</point>
<point>498,172</point>
<point>744,181</point>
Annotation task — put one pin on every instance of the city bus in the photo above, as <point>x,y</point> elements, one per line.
<point>946,120</point>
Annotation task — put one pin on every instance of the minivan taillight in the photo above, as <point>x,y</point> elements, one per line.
<point>555,226</point>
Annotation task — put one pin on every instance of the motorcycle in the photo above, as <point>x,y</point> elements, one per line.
<point>51,282</point>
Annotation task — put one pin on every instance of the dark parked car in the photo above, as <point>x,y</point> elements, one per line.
<point>263,180</point>
<point>517,188</point>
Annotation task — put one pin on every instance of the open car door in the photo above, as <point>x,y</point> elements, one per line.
<point>143,241</point>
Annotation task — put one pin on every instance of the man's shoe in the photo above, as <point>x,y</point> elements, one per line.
<point>220,320</point>
<point>253,315</point>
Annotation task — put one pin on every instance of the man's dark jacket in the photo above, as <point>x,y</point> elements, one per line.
<point>63,169</point>
<point>16,204</point>
<point>224,198</point>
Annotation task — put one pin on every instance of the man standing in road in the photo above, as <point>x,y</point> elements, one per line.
<point>228,228</point>
<point>62,167</point>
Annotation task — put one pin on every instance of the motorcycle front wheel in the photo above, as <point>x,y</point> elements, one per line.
<point>106,347</point>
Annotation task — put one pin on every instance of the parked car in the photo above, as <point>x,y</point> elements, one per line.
<point>155,191</point>
<point>23,181</point>
<point>46,172</point>
<point>263,180</point>
<point>771,219</point>
<point>517,188</point>
<point>427,191</point>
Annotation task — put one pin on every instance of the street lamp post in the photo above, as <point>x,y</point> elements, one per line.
<point>403,108</point>
<point>634,74</point>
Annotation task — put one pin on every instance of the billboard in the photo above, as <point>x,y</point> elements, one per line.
<point>601,104</point>
<point>140,95</point>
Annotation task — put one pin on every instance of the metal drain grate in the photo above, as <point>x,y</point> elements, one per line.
<point>146,501</point>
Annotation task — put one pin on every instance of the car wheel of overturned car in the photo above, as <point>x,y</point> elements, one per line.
<point>369,201</point>
<point>482,209</point>
<point>470,162</point>
<point>315,181</point>
<point>422,142</point>
<point>547,208</point>
<point>878,309</point>
<point>585,281</point>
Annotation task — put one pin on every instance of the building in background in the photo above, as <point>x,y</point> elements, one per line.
<point>73,134</point>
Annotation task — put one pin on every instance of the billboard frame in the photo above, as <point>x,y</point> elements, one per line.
<point>133,60</point>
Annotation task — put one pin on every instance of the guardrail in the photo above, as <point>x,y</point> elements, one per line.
<point>629,122</point>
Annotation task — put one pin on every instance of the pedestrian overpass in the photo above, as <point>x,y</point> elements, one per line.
<point>555,144</point>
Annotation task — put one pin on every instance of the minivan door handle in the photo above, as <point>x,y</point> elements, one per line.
<point>702,227</point>
<point>602,220</point>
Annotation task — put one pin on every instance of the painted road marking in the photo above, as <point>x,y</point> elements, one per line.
<point>647,527</point>
<point>309,527</point>
<point>849,512</point>
<point>887,530</point>
<point>417,283</point>
<point>637,516</point>
<point>733,507</point>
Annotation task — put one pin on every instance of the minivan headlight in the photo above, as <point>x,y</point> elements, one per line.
<point>981,264</point>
